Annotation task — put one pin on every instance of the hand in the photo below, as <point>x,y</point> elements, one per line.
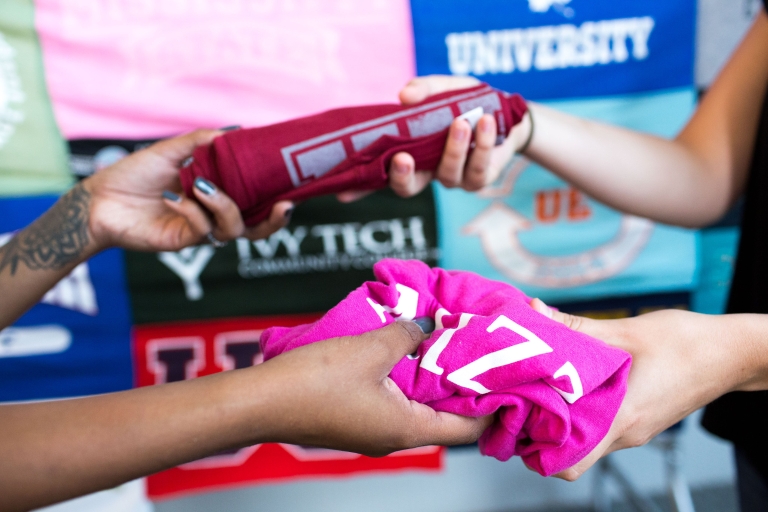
<point>128,208</point>
<point>336,394</point>
<point>459,167</point>
<point>680,362</point>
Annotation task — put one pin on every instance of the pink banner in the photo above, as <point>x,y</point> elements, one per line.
<point>140,68</point>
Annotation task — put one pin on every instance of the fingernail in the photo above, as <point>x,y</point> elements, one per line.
<point>545,310</point>
<point>463,133</point>
<point>187,161</point>
<point>288,213</point>
<point>425,323</point>
<point>400,168</point>
<point>205,186</point>
<point>486,127</point>
<point>231,128</point>
<point>167,194</point>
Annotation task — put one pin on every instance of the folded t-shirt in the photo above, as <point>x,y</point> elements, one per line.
<point>556,391</point>
<point>337,150</point>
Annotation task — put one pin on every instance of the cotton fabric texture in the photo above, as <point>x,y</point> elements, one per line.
<point>556,391</point>
<point>337,150</point>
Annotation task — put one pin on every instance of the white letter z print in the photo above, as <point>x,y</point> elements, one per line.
<point>405,309</point>
<point>534,346</point>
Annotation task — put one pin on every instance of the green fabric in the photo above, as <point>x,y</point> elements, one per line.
<point>33,154</point>
<point>331,252</point>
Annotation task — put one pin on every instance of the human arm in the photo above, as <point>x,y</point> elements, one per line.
<point>681,361</point>
<point>690,181</point>
<point>333,394</point>
<point>121,205</point>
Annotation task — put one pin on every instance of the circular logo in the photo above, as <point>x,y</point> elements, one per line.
<point>499,225</point>
<point>11,93</point>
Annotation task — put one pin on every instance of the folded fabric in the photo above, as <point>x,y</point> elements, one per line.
<point>338,150</point>
<point>556,391</point>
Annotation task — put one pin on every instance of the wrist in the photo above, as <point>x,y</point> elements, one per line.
<point>522,133</point>
<point>750,346</point>
<point>257,398</point>
<point>97,241</point>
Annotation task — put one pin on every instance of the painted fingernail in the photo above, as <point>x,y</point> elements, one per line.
<point>288,213</point>
<point>231,128</point>
<point>187,161</point>
<point>205,186</point>
<point>425,323</point>
<point>167,194</point>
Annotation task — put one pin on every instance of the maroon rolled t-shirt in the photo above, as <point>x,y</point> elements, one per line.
<point>337,150</point>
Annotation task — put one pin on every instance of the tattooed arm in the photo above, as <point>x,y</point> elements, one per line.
<point>136,204</point>
<point>43,253</point>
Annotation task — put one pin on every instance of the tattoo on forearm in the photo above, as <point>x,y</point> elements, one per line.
<point>54,240</point>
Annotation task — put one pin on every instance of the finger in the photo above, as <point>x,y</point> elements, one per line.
<point>404,179</point>
<point>178,149</point>
<point>539,306</point>
<point>501,155</point>
<point>278,219</point>
<point>350,196</point>
<point>576,323</point>
<point>421,88</point>
<point>446,429</point>
<point>477,173</point>
<point>228,223</point>
<point>451,167</point>
<point>394,342</point>
<point>608,331</point>
<point>197,220</point>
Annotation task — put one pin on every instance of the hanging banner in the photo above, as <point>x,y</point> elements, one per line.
<point>309,266</point>
<point>124,69</point>
<point>546,49</point>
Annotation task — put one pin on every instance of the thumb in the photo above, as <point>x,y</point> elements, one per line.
<point>178,149</point>
<point>422,87</point>
<point>573,322</point>
<point>396,341</point>
<point>604,330</point>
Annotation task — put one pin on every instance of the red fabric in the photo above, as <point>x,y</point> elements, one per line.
<point>338,150</point>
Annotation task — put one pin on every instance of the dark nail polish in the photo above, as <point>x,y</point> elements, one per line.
<point>231,128</point>
<point>288,213</point>
<point>204,186</point>
<point>167,194</point>
<point>425,323</point>
<point>187,161</point>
